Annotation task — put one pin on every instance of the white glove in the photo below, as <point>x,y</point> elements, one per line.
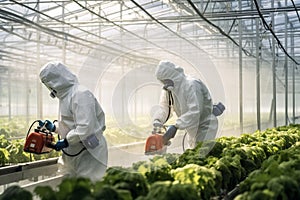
<point>157,123</point>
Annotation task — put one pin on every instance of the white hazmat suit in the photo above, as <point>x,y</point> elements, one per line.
<point>191,101</point>
<point>81,123</point>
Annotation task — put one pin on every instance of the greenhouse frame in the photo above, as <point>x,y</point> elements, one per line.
<point>256,36</point>
<point>247,52</point>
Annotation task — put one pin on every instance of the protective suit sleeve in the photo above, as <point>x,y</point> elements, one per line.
<point>162,112</point>
<point>85,117</point>
<point>193,103</point>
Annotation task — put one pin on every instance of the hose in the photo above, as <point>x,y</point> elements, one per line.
<point>76,154</point>
<point>31,127</point>
<point>52,146</point>
<point>72,155</point>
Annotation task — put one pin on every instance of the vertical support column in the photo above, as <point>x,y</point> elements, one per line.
<point>123,70</point>
<point>100,33</point>
<point>135,109</point>
<point>27,93</point>
<point>63,46</point>
<point>201,5</point>
<point>274,100</point>
<point>1,91</point>
<point>100,27</point>
<point>38,62</point>
<point>258,56</point>
<point>9,94</point>
<point>63,30</point>
<point>286,70</point>
<point>240,72</point>
<point>293,73</point>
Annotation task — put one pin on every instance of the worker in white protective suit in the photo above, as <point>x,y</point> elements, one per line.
<point>191,101</point>
<point>81,123</point>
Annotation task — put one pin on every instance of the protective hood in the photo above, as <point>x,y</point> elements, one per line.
<point>192,104</point>
<point>56,76</point>
<point>168,70</point>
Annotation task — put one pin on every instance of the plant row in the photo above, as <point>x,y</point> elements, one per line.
<point>11,152</point>
<point>278,178</point>
<point>209,171</point>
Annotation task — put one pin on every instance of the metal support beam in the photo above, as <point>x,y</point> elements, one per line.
<point>286,71</point>
<point>9,95</point>
<point>38,62</point>
<point>274,100</point>
<point>293,76</point>
<point>27,93</point>
<point>23,171</point>
<point>258,56</point>
<point>63,30</point>
<point>241,72</point>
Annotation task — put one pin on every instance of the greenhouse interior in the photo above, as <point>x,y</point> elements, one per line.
<point>241,55</point>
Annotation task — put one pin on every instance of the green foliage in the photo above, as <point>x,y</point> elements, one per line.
<point>70,188</point>
<point>201,177</point>
<point>14,127</point>
<point>15,193</point>
<point>103,191</point>
<point>81,188</point>
<point>11,152</point>
<point>266,165</point>
<point>278,177</point>
<point>4,156</point>
<point>169,157</point>
<point>215,148</point>
<point>157,169</point>
<point>190,156</point>
<point>11,149</point>
<point>251,157</point>
<point>45,193</point>
<point>126,179</point>
<point>51,154</point>
<point>168,190</point>
<point>122,135</point>
<point>237,171</point>
<point>15,148</point>
<point>74,188</point>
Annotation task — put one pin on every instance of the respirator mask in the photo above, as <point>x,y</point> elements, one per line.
<point>52,91</point>
<point>168,84</point>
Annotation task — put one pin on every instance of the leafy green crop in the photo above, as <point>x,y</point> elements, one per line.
<point>11,152</point>
<point>203,178</point>
<point>278,178</point>
<point>15,192</point>
<point>265,165</point>
<point>168,190</point>
<point>81,188</point>
<point>126,179</point>
<point>11,148</point>
<point>4,156</point>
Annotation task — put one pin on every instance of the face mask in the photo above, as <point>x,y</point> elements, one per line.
<point>53,93</point>
<point>168,84</point>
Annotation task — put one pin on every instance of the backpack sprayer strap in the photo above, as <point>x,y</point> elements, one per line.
<point>171,102</point>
